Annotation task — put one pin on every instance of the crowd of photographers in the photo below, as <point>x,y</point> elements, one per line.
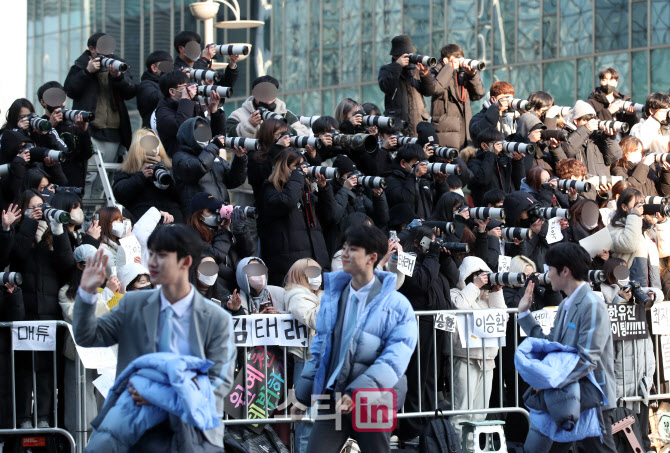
<point>478,199</point>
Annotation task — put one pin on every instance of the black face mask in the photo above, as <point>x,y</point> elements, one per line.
<point>265,105</point>
<point>607,89</point>
<point>525,223</point>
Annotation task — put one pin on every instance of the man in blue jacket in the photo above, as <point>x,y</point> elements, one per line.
<point>365,335</point>
<point>581,322</point>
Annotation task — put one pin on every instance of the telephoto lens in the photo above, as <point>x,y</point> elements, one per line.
<point>597,276</point>
<point>39,154</point>
<point>379,121</point>
<point>76,190</point>
<point>37,123</point>
<point>651,209</point>
<point>474,64</point>
<point>249,211</point>
<point>523,148</point>
<point>487,213</point>
<point>455,247</point>
<point>626,104</point>
<point>550,213</point>
<point>662,157</point>
<point>116,64</point>
<point>543,279</point>
<point>563,111</point>
<point>373,182</point>
<point>557,134</point>
<point>449,169</point>
<point>603,180</point>
<point>250,144</point>
<point>509,234</point>
<point>617,126</point>
<point>308,120</point>
<point>402,140</point>
<point>445,152</point>
<point>224,92</point>
<point>579,186</point>
<point>4,170</point>
<point>444,227</point>
<point>521,104</point>
<point>356,142</point>
<point>13,278</point>
<point>423,59</point>
<point>161,174</point>
<point>655,200</point>
<point>200,75</point>
<point>507,279</point>
<point>639,296</point>
<point>231,49</point>
<point>50,214</point>
<point>71,114</point>
<point>302,141</point>
<point>267,114</point>
<point>328,172</point>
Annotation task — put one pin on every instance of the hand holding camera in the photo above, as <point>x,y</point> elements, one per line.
<point>391,142</point>
<point>255,118</point>
<point>592,125</point>
<point>209,52</point>
<point>214,99</point>
<point>357,119</point>
<point>321,180</point>
<point>481,280</point>
<point>56,117</point>
<point>93,65</point>
<point>536,227</point>
<point>625,293</point>
<point>113,71</point>
<point>615,106</point>
<point>147,171</point>
<point>403,60</point>
<point>503,103</point>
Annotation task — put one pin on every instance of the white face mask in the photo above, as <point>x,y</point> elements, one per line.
<point>257,282</point>
<point>635,158</point>
<point>118,229</point>
<point>77,217</point>
<point>315,282</point>
<point>207,280</point>
<point>624,282</point>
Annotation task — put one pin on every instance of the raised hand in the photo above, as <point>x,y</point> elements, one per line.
<point>11,215</point>
<point>94,272</point>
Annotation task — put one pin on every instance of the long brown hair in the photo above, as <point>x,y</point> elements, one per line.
<point>108,215</point>
<point>534,177</point>
<point>344,107</point>
<point>266,137</point>
<point>281,171</point>
<point>628,145</point>
<point>195,222</point>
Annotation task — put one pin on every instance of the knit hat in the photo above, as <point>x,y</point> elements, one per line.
<point>401,44</point>
<point>426,133</point>
<point>83,252</point>
<point>344,164</point>
<point>130,272</point>
<point>581,109</point>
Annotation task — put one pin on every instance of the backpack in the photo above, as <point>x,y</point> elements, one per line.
<point>439,436</point>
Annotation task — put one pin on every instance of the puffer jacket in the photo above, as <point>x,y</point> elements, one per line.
<point>172,383</point>
<point>489,117</point>
<point>630,245</point>
<point>249,302</point>
<point>466,297</point>
<point>382,343</point>
<point>128,186</point>
<point>542,157</point>
<point>227,249</point>
<point>238,125</point>
<point>304,305</point>
<point>148,96</point>
<point>200,169</point>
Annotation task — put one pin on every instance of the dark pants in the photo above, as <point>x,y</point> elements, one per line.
<point>537,442</point>
<point>24,384</point>
<point>643,420</point>
<point>326,439</point>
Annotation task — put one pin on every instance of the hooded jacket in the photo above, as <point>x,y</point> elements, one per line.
<point>420,193</point>
<point>199,168</point>
<point>238,125</point>
<point>542,157</point>
<point>534,248</point>
<point>250,304</point>
<point>227,249</point>
<point>82,88</point>
<point>148,95</point>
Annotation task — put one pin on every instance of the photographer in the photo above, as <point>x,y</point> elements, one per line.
<point>178,105</point>
<point>455,86</point>
<point>149,92</point>
<point>528,130</point>
<point>580,227</point>
<point>11,185</point>
<point>244,121</point>
<point>323,128</point>
<point>518,213</point>
<point>202,168</point>
<point>136,186</point>
<point>544,109</point>
<point>496,113</point>
<point>642,173</point>
<point>18,120</point>
<point>653,131</point>
<point>534,183</point>
<point>103,92</point>
<point>405,84</point>
<point>607,101</point>
<point>292,216</point>
<point>378,162</point>
<point>72,204</point>
<point>272,140</point>
<point>182,38</point>
<point>428,138</point>
<point>11,309</point>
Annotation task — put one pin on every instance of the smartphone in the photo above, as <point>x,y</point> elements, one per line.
<point>96,216</point>
<point>393,236</point>
<point>264,305</point>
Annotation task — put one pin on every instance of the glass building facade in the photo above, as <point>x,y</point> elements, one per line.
<point>323,51</point>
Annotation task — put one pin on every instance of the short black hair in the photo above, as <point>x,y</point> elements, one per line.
<point>185,37</point>
<point>493,197</point>
<point>265,78</point>
<point>324,124</point>
<point>657,101</point>
<point>46,86</point>
<point>178,238</point>
<point>410,152</point>
<point>452,49</point>
<point>66,201</point>
<point>570,255</point>
<point>371,238</point>
<point>541,99</point>
<point>157,57</point>
<point>490,135</point>
<point>172,80</point>
<point>371,109</point>
<point>93,40</point>
<point>611,71</point>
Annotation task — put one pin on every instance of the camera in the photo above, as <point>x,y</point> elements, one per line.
<point>13,278</point>
<point>402,140</point>
<point>651,209</point>
<point>226,211</point>
<point>302,141</point>
<point>660,158</point>
<point>487,213</point>
<point>70,114</point>
<point>37,123</point>
<point>541,279</point>
<point>49,214</point>
<point>355,142</point>
<point>639,296</point>
<point>506,279</point>
<point>373,182</point>
<point>603,180</point>
<point>231,49</point>
<point>39,154</point>
<point>328,172</point>
<point>250,144</point>
<point>162,175</point>
<point>308,120</point>
<point>453,247</point>
<point>200,75</point>
<point>548,213</point>
<point>423,59</point>
<point>380,121</point>
<point>4,170</point>
<point>655,200</point>
<point>638,107</point>
<point>116,64</point>
<point>449,169</point>
<point>560,135</point>
<point>76,190</point>
<point>579,186</point>
<point>523,148</point>
<point>267,114</point>
<point>617,126</point>
<point>444,227</point>
<point>224,92</point>
<point>597,276</point>
<point>474,64</point>
<point>509,234</point>
<point>445,152</point>
<point>521,104</point>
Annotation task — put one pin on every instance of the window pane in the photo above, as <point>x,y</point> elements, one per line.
<point>549,35</point>
<point>611,25</point>
<point>576,27</point>
<point>660,78</point>
<point>660,23</point>
<point>525,79</point>
<point>585,77</point>
<point>528,44</point>
<point>558,80</point>
<point>461,20</point>
<point>504,38</point>
<point>296,64</point>
<point>640,71</point>
<point>639,24</point>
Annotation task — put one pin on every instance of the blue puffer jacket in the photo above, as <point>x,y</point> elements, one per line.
<point>563,414</point>
<point>173,384</point>
<point>382,343</point>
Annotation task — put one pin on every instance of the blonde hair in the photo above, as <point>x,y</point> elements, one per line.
<point>296,274</point>
<point>136,155</point>
<point>519,263</point>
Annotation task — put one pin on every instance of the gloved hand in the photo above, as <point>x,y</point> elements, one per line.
<point>213,149</point>
<point>219,141</point>
<point>56,227</point>
<point>238,221</point>
<point>414,223</point>
<point>434,249</point>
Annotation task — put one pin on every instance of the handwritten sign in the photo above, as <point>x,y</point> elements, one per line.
<point>489,323</point>
<point>34,336</point>
<point>269,330</point>
<point>660,318</point>
<point>445,321</point>
<point>544,318</point>
<point>554,231</point>
<point>665,352</point>
<point>96,358</point>
<point>474,340</point>
<point>628,321</point>
<point>406,263</point>
<point>504,263</point>
<point>129,250</point>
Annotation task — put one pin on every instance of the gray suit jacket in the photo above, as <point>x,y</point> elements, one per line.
<point>133,324</point>
<point>587,328</point>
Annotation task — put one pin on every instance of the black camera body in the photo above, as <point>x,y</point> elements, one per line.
<point>638,296</point>
<point>161,175</point>
<point>355,142</point>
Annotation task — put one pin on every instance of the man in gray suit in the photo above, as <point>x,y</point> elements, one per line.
<point>175,318</point>
<point>582,322</point>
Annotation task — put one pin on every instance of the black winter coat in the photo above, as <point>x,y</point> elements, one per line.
<point>292,222</point>
<point>80,147</point>
<point>148,95</point>
<point>428,288</point>
<point>599,102</point>
<point>228,249</point>
<point>11,309</point>
<point>11,185</point>
<point>82,88</point>
<point>259,171</point>
<point>138,194</point>
<point>491,171</point>
<point>404,187</point>
<point>6,243</point>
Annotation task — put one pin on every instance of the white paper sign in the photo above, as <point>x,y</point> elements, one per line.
<point>474,341</point>
<point>270,330</point>
<point>504,262</point>
<point>665,353</point>
<point>597,242</point>
<point>490,323</point>
<point>104,383</point>
<point>544,318</point>
<point>554,231</point>
<point>660,318</point>
<point>96,358</point>
<point>445,321</point>
<point>406,262</point>
<point>34,336</point>
<point>129,249</point>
